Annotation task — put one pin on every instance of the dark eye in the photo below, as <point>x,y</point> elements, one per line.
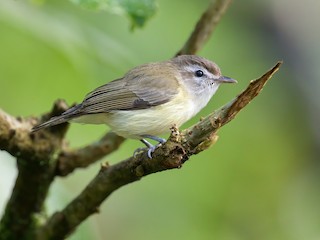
<point>199,73</point>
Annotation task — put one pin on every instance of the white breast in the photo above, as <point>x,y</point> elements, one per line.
<point>152,121</point>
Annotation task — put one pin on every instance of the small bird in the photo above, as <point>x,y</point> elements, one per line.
<point>149,99</point>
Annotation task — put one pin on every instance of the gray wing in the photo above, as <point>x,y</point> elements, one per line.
<point>141,88</point>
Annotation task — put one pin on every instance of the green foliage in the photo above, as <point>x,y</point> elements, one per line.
<point>139,11</point>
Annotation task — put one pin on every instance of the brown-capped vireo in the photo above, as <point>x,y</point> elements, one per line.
<point>149,99</point>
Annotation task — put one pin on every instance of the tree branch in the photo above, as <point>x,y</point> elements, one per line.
<point>36,168</point>
<point>171,155</point>
<point>205,26</point>
<point>70,159</point>
<point>15,137</point>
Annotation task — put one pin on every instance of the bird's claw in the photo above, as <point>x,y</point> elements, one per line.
<point>149,150</point>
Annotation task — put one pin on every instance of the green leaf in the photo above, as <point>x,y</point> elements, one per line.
<point>139,11</point>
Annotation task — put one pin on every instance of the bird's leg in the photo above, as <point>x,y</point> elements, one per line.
<point>158,139</point>
<point>150,147</point>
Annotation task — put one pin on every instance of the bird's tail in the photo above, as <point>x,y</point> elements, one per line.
<point>52,122</point>
<point>64,117</point>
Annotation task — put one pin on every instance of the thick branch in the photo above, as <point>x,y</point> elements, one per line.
<point>16,139</point>
<point>36,171</point>
<point>205,26</point>
<point>171,155</point>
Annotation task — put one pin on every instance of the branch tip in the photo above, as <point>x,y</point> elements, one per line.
<point>205,26</point>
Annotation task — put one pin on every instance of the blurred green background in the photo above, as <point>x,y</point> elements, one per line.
<point>260,180</point>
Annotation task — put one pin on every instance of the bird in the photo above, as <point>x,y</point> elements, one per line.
<point>149,99</point>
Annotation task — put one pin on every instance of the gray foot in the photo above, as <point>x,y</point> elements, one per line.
<point>151,148</point>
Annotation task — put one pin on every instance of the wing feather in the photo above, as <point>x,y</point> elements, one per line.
<point>142,87</point>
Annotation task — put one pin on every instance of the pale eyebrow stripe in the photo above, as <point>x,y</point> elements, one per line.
<point>198,67</point>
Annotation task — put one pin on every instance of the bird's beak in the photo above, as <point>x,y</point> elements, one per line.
<point>224,79</point>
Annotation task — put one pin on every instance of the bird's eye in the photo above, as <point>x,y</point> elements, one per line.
<point>199,73</point>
